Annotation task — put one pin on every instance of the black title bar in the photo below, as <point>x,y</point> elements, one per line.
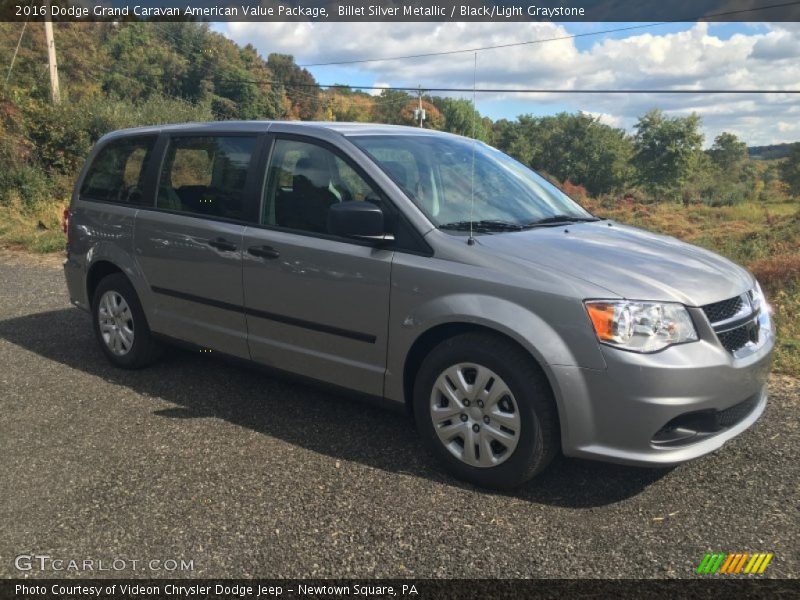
<point>401,11</point>
<point>397,589</point>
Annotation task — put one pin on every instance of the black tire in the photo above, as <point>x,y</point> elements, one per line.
<point>145,349</point>
<point>539,436</point>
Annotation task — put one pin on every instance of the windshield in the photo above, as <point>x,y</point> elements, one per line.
<point>455,181</point>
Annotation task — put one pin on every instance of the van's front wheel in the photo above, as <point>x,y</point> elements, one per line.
<point>486,410</point>
<point>120,325</point>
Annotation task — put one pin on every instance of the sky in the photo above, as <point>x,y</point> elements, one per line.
<point>672,56</point>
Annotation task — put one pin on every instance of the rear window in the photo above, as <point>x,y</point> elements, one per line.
<point>206,175</point>
<point>117,172</point>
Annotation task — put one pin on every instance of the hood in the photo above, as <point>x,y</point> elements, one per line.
<point>633,263</point>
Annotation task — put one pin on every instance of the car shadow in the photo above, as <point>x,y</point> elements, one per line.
<point>331,423</point>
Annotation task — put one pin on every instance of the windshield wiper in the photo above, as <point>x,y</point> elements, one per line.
<point>557,219</point>
<point>483,225</point>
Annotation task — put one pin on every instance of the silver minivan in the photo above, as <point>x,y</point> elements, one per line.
<point>426,269</point>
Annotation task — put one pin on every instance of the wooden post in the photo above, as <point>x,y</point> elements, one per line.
<point>51,56</point>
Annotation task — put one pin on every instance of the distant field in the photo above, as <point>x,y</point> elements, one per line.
<point>764,237</point>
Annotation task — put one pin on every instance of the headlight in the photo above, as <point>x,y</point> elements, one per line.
<point>757,299</point>
<point>640,326</point>
<point>759,303</point>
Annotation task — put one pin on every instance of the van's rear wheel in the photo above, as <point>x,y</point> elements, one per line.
<point>120,325</point>
<point>486,410</point>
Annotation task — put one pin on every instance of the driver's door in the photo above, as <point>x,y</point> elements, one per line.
<point>316,305</point>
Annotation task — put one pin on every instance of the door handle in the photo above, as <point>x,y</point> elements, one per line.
<point>222,244</point>
<point>263,251</point>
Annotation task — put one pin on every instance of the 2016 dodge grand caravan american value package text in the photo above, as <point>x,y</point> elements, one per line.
<point>426,269</point>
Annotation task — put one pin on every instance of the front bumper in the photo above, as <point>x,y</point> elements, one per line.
<point>628,412</point>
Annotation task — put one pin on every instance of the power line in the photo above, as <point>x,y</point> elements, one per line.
<point>518,90</point>
<point>542,41</point>
<point>480,49</point>
<point>16,50</point>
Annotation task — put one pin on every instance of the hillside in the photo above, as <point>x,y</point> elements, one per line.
<point>772,152</point>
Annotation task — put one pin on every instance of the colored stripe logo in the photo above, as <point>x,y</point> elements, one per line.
<point>735,563</point>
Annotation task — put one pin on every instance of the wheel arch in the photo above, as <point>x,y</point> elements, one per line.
<point>98,271</point>
<point>105,259</point>
<point>437,334</point>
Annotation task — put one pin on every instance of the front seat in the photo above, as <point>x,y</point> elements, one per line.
<point>307,206</point>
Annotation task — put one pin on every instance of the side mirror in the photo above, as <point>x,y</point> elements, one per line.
<point>358,219</point>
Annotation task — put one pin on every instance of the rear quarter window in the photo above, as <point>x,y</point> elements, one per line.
<point>117,172</point>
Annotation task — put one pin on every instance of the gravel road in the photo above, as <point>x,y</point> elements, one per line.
<point>246,474</point>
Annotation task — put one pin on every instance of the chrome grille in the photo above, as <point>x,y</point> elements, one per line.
<point>736,339</point>
<point>735,321</point>
<point>726,309</point>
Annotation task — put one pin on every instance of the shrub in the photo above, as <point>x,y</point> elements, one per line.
<point>777,272</point>
<point>576,192</point>
<point>786,314</point>
<point>27,184</point>
<point>59,135</point>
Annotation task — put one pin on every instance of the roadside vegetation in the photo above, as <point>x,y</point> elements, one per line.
<point>662,176</point>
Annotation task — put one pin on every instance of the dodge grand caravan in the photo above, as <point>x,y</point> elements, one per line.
<point>426,269</point>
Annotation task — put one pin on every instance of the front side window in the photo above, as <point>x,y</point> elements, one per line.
<point>456,181</point>
<point>304,181</point>
<point>206,175</point>
<point>117,173</point>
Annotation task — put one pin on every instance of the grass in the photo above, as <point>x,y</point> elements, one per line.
<point>35,228</point>
<point>765,238</point>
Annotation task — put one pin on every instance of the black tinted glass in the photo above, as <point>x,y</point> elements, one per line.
<point>206,175</point>
<point>305,180</point>
<point>117,173</point>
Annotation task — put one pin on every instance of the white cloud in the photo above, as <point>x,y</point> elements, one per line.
<point>692,59</point>
<point>378,84</point>
<point>605,118</point>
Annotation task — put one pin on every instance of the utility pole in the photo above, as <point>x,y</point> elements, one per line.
<point>51,55</point>
<point>420,112</point>
<point>419,87</point>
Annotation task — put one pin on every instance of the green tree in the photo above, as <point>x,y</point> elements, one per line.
<point>461,117</point>
<point>203,53</point>
<point>343,104</point>
<point>730,177</point>
<point>728,152</point>
<point>666,152</point>
<point>388,105</point>
<point>574,147</point>
<point>301,87</point>
<point>790,170</point>
<point>511,138</point>
<point>143,64</point>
